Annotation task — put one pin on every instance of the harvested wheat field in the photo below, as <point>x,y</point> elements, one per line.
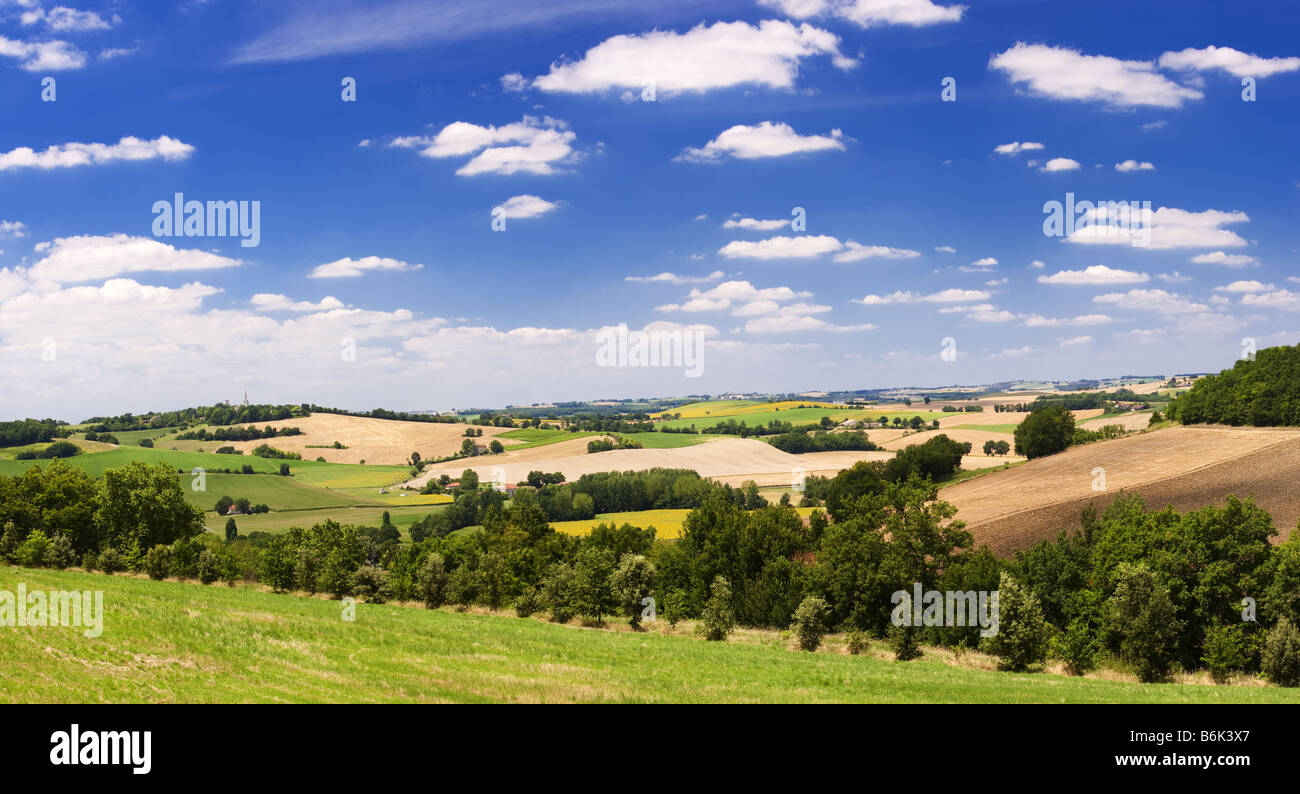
<point>742,458</point>
<point>376,441</point>
<point>1187,467</point>
<point>1138,420</point>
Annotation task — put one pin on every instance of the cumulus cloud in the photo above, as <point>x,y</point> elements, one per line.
<point>953,295</point>
<point>781,247</point>
<point>62,19</point>
<point>1095,274</point>
<point>269,302</point>
<point>1222,258</point>
<point>1038,321</point>
<point>766,139</point>
<point>1061,164</point>
<point>67,155</point>
<point>1133,165</point>
<point>1016,147</point>
<point>754,224</point>
<point>1156,300</point>
<point>871,13</point>
<point>856,252</point>
<point>673,278</point>
<point>1063,73</point>
<point>526,206</point>
<point>1226,59</point>
<point>12,229</point>
<point>92,258</point>
<point>347,267</point>
<point>1273,299</point>
<point>42,56</point>
<point>945,249</point>
<point>1246,286</point>
<point>533,145</point>
<point>1168,228</point>
<point>706,58</point>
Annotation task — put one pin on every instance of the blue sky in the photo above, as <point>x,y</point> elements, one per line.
<point>923,217</point>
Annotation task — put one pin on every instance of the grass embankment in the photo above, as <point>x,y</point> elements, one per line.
<point>182,642</point>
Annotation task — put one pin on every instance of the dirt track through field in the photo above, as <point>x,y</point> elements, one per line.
<point>1187,467</point>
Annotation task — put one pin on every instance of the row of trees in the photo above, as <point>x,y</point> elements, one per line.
<point>1261,392</point>
<point>800,442</point>
<point>239,433</point>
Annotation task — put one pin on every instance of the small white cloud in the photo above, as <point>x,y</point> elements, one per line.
<point>525,206</point>
<point>1096,274</point>
<point>754,224</point>
<point>1066,74</point>
<point>68,155</point>
<point>1226,59</point>
<point>1246,286</point>
<point>347,267</point>
<point>945,249</point>
<point>765,139</point>
<point>1222,258</point>
<point>1061,164</point>
<point>781,247</point>
<point>1133,165</point>
<point>673,278</point>
<point>856,252</point>
<point>1016,147</point>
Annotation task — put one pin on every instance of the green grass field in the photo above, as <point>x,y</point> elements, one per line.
<point>1008,429</point>
<point>276,522</point>
<point>167,642</point>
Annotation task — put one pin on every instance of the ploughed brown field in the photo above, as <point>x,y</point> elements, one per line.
<point>1186,467</point>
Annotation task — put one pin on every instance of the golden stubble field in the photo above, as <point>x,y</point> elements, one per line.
<point>1187,467</point>
<point>376,441</point>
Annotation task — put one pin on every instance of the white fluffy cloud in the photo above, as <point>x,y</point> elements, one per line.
<point>1234,62</point>
<point>708,57</point>
<point>347,267</point>
<point>1095,274</point>
<point>269,302</point>
<point>67,155</point>
<point>1273,299</point>
<point>765,139</point>
<point>780,247</point>
<point>1063,73</point>
<point>1169,228</point>
<point>871,13</point>
<point>1133,165</point>
<point>1156,300</point>
<point>1016,147</point>
<point>953,295</point>
<point>856,252</point>
<point>1222,258</point>
<point>12,229</point>
<point>43,56</point>
<point>62,19</point>
<point>533,145</point>
<point>755,224</point>
<point>1038,321</point>
<point>1061,164</point>
<point>526,206</point>
<point>92,258</point>
<point>1245,286</point>
<point>673,278</point>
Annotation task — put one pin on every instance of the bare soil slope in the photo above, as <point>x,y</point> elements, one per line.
<point>1187,467</point>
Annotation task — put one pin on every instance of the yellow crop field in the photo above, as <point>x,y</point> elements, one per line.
<point>667,523</point>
